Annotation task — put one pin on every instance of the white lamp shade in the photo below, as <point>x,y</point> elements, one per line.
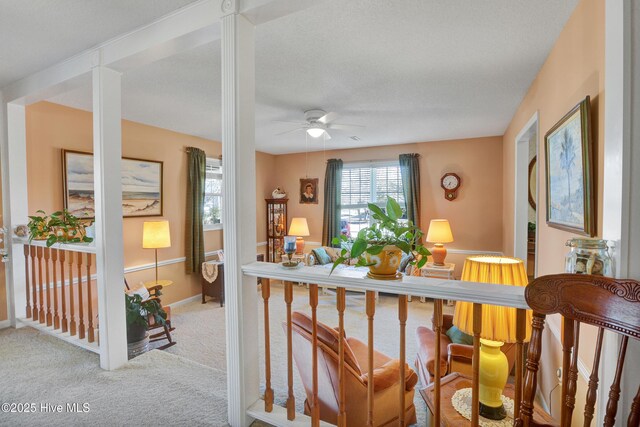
<point>315,132</point>
<point>299,227</point>
<point>155,235</point>
<point>439,231</point>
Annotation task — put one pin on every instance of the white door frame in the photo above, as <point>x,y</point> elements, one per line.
<point>521,188</point>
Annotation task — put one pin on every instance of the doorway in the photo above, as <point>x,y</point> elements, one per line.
<point>526,196</point>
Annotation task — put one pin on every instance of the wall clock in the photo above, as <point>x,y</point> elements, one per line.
<point>450,182</point>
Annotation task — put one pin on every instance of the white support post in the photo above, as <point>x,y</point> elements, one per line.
<point>107,149</point>
<point>239,212</point>
<point>15,202</point>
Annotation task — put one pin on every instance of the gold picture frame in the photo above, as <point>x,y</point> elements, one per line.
<point>569,172</point>
<point>308,191</point>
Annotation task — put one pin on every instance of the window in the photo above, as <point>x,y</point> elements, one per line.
<point>363,184</point>
<point>213,195</point>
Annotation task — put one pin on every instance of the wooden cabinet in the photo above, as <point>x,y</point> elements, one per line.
<point>276,228</point>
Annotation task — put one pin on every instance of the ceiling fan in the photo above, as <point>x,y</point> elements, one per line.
<point>319,122</point>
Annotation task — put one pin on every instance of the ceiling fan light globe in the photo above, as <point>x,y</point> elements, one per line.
<point>315,132</point>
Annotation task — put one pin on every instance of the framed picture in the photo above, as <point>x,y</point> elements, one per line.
<point>141,185</point>
<point>309,191</point>
<point>569,172</point>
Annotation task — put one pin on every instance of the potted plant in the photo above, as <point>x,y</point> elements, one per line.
<point>380,246</point>
<point>138,312</point>
<point>66,228</point>
<point>38,226</point>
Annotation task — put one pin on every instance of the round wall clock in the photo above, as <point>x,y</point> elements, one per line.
<point>450,182</point>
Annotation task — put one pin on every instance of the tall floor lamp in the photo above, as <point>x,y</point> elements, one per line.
<point>498,326</point>
<point>156,235</point>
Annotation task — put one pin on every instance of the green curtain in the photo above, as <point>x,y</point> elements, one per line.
<point>197,164</point>
<point>410,171</point>
<point>332,200</point>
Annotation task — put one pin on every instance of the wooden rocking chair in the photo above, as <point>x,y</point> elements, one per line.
<point>608,304</point>
<point>167,328</point>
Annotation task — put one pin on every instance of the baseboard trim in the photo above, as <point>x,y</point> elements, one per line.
<point>185,301</point>
<point>65,336</point>
<point>5,324</point>
<point>582,368</point>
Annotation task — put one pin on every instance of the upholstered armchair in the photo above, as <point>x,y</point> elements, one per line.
<point>386,376</point>
<point>453,357</point>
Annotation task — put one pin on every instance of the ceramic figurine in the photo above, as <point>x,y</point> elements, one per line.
<point>278,193</point>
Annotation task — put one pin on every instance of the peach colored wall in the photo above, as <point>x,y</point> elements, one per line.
<point>52,127</point>
<point>475,216</point>
<point>573,70</point>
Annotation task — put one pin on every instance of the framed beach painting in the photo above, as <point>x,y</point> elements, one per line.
<point>141,185</point>
<point>569,172</point>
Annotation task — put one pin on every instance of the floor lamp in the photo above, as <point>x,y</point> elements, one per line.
<point>156,235</point>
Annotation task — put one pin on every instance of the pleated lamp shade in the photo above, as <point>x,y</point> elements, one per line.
<point>498,323</point>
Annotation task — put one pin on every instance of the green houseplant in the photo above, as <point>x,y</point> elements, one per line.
<point>138,313</point>
<point>380,246</point>
<point>59,227</point>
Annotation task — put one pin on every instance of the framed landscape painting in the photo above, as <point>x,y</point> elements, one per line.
<point>141,185</point>
<point>569,172</point>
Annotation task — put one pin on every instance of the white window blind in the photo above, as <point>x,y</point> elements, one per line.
<point>212,218</point>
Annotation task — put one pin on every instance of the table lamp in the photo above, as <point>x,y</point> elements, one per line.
<point>439,233</point>
<point>155,235</point>
<point>299,228</point>
<point>498,326</point>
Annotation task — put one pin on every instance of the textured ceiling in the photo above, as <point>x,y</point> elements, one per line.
<point>35,34</point>
<point>408,70</point>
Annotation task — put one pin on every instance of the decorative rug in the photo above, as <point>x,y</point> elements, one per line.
<point>461,401</point>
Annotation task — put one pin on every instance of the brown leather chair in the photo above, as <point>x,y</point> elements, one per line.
<point>386,376</point>
<point>453,357</point>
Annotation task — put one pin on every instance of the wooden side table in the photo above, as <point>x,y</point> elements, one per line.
<point>215,289</point>
<point>454,382</point>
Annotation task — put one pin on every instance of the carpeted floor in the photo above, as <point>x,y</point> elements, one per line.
<point>154,388</point>
<point>200,334</point>
<point>184,385</point>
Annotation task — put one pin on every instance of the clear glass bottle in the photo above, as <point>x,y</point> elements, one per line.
<point>588,256</point>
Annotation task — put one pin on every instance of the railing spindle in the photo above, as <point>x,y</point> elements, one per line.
<point>342,407</point>
<point>437,326</point>
<point>90,332</point>
<point>475,388</point>
<point>614,391</point>
<point>402,318</point>
<point>41,313</point>
<point>26,282</point>
<point>81,328</point>
<point>32,253</point>
<point>63,294</point>
<point>592,391</point>
<point>268,392</point>
<point>56,317</point>
<point>72,303</point>
<point>521,331</point>
<point>47,257</point>
<point>315,406</point>
<point>291,402</point>
<point>634,414</point>
<point>371,310</point>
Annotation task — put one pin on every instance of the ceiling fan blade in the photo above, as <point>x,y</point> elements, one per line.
<point>342,126</point>
<point>328,134</point>
<point>329,117</point>
<point>289,131</point>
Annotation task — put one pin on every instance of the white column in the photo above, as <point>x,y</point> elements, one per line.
<point>107,149</point>
<point>621,198</point>
<point>14,201</point>
<point>239,213</point>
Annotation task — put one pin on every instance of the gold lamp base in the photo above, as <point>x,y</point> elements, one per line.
<point>494,371</point>
<point>439,253</point>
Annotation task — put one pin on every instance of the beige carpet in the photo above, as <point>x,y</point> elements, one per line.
<point>155,388</point>
<point>200,334</point>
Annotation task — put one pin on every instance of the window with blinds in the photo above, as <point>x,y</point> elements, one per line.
<point>362,185</point>
<point>212,218</point>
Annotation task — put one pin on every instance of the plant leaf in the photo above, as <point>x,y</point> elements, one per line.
<point>358,248</point>
<point>375,250</point>
<point>394,211</point>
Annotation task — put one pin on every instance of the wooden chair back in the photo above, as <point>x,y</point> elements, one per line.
<point>608,304</point>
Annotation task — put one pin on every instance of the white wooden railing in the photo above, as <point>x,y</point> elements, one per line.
<point>435,288</point>
<point>60,291</point>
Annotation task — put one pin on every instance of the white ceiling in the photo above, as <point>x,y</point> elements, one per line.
<point>409,70</point>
